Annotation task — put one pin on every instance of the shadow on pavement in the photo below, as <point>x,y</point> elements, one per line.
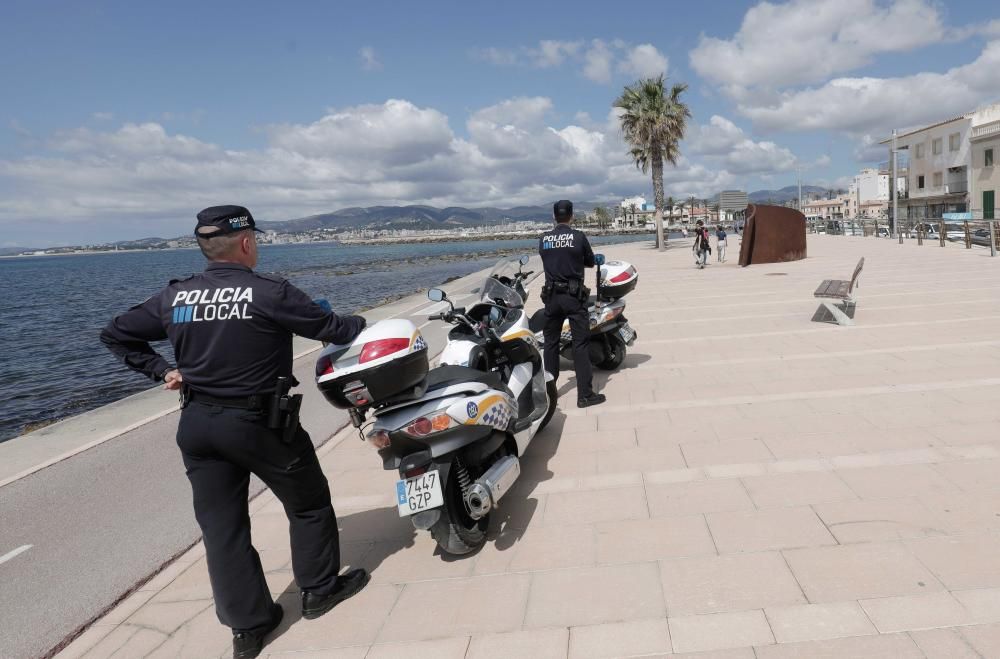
<point>383,527</point>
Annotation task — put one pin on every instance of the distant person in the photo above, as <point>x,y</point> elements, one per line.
<point>231,329</point>
<point>701,246</point>
<point>720,246</point>
<point>566,253</point>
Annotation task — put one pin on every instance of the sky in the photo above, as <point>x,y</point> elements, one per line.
<point>121,120</point>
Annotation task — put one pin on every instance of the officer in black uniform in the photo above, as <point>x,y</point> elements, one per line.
<point>565,254</point>
<point>231,329</point>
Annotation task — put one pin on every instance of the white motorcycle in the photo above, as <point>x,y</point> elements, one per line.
<point>454,433</point>
<point>610,332</point>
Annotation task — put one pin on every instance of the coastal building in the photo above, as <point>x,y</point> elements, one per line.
<point>827,209</point>
<point>985,141</point>
<point>732,203</point>
<point>939,173</point>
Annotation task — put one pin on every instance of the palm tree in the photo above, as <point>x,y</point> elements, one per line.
<point>653,122</point>
<point>670,209</point>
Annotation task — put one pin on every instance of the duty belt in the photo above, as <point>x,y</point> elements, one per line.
<point>255,402</point>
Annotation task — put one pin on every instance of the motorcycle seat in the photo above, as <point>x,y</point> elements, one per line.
<point>537,321</point>
<point>446,376</point>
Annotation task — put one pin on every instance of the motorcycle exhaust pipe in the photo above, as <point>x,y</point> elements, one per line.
<point>484,494</point>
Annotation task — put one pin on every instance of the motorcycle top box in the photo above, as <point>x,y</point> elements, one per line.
<point>618,279</point>
<point>387,361</point>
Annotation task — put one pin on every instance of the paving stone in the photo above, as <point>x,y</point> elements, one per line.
<point>719,631</point>
<point>587,507</point>
<point>880,520</point>
<point>733,582</point>
<point>836,574</point>
<point>566,598</point>
<point>972,475</point>
<point>619,639</point>
<point>762,530</point>
<point>797,489</point>
<point>912,612</point>
<point>961,562</point>
<point>985,639</point>
<point>540,643</point>
<point>734,653</point>
<point>541,548</point>
<point>895,481</point>
<point>983,604</point>
<point>454,607</point>
<point>706,496</point>
<point>944,644</point>
<point>883,646</point>
<point>354,622</point>
<point>818,622</point>
<point>638,541</point>
<point>446,648</point>
<point>733,451</point>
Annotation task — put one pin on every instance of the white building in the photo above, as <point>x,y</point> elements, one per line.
<point>938,165</point>
<point>985,139</point>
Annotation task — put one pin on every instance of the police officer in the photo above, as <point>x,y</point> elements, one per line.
<point>231,329</point>
<point>565,254</point>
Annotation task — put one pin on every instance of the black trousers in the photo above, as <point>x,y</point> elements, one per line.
<point>221,447</point>
<point>560,307</point>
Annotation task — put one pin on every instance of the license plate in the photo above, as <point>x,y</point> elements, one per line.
<point>627,334</point>
<point>419,493</point>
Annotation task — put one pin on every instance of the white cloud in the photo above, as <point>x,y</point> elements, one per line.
<point>389,153</point>
<point>597,59</point>
<point>725,144</point>
<point>644,61</point>
<point>597,62</point>
<point>861,105</point>
<point>369,60</point>
<point>807,41</point>
<point>554,53</point>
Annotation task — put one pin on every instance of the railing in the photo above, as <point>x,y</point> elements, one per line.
<point>970,233</point>
<point>986,129</point>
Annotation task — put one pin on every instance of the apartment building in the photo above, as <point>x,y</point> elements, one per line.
<point>985,138</point>
<point>940,173</point>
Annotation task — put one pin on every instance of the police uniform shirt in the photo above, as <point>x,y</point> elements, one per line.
<point>231,329</point>
<point>565,253</point>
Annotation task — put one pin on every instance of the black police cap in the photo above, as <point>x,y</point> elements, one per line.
<point>225,219</point>
<point>562,209</point>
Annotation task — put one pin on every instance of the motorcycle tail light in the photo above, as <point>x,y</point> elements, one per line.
<point>425,426</point>
<point>381,348</point>
<point>416,471</point>
<point>379,439</point>
<point>324,366</point>
<point>623,276</point>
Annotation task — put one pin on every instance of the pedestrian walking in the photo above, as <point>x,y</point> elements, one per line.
<point>701,246</point>
<point>231,329</point>
<point>721,244</point>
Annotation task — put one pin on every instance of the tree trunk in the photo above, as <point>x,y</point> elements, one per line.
<point>657,167</point>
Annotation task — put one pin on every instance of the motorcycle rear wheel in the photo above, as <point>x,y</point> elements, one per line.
<point>455,531</point>
<point>617,350</point>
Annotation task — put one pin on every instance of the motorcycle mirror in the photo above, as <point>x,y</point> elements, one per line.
<point>524,260</point>
<point>436,295</point>
<point>599,259</point>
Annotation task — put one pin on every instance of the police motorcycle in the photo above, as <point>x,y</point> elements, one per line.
<point>610,332</point>
<point>454,433</point>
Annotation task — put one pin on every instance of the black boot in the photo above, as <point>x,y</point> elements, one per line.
<point>592,399</point>
<point>247,645</point>
<point>348,585</point>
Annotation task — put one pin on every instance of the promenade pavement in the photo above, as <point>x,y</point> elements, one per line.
<point>757,485</point>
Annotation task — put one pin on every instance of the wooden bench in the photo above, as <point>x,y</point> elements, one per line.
<point>839,299</point>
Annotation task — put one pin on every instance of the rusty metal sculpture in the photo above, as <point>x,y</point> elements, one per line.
<point>773,234</point>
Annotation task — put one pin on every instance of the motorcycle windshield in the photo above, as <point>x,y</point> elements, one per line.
<point>498,287</point>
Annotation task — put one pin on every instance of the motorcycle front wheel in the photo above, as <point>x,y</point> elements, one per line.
<point>455,531</point>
